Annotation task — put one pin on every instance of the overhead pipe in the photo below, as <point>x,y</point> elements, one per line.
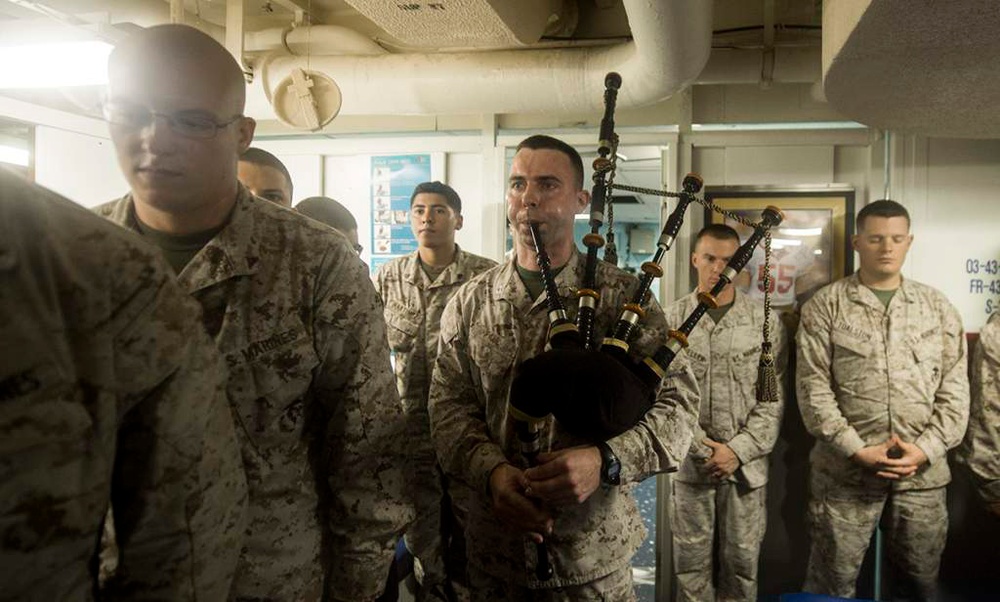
<point>671,42</point>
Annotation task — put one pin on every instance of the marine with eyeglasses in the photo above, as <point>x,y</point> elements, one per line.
<point>292,310</point>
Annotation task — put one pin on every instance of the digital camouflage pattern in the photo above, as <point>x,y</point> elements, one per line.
<point>741,516</point>
<point>613,587</point>
<point>300,328</point>
<point>488,328</point>
<point>843,518</point>
<point>981,449</point>
<point>724,357</point>
<point>413,308</point>
<point>110,392</point>
<point>865,372</point>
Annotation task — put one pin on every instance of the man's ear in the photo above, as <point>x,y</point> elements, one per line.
<point>854,241</point>
<point>459,220</point>
<point>583,199</point>
<point>247,127</point>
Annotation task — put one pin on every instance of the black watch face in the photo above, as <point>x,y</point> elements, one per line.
<point>614,472</point>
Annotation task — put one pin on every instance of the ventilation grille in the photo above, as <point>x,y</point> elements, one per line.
<point>460,23</point>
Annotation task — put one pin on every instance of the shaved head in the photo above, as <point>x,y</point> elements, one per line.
<point>175,107</point>
<point>181,55</point>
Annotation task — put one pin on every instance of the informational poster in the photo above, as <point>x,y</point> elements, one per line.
<point>393,179</point>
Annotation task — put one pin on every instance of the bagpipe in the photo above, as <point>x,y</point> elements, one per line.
<point>598,391</point>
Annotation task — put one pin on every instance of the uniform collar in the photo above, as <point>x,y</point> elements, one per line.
<point>235,250</point>
<point>453,273</point>
<point>510,288</point>
<point>859,293</point>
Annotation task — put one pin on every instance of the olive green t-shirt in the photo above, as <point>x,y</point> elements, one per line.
<point>432,271</point>
<point>533,280</point>
<point>884,296</point>
<point>178,250</point>
<point>717,313</point>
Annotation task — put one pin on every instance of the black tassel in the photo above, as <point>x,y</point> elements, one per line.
<point>767,380</point>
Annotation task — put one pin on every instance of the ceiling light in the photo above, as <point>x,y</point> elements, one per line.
<point>800,231</point>
<point>55,65</point>
<point>785,242</point>
<point>14,155</point>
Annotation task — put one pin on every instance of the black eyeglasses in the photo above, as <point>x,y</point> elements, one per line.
<point>191,124</point>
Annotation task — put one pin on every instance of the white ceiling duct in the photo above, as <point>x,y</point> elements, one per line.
<point>456,23</point>
<point>671,41</point>
<point>920,67</point>
<point>313,39</point>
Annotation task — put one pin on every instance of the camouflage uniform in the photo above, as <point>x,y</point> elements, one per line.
<point>724,357</point>
<point>301,330</point>
<point>864,373</point>
<point>413,308</point>
<point>489,327</point>
<point>981,450</point>
<point>110,392</point>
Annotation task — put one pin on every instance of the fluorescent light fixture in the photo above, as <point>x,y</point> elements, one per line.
<point>800,231</point>
<point>818,252</point>
<point>57,65</point>
<point>754,127</point>
<point>785,242</point>
<point>14,155</point>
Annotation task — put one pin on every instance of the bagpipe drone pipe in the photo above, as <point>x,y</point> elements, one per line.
<point>598,392</point>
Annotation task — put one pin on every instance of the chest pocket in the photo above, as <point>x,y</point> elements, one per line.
<point>851,357</point>
<point>402,326</point>
<point>744,358</point>
<point>269,389</point>
<point>927,353</point>
<point>494,351</point>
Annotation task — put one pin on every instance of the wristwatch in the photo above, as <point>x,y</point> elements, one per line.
<point>611,467</point>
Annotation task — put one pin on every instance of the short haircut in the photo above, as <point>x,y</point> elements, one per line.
<point>259,156</point>
<point>175,49</point>
<point>542,142</point>
<point>881,208</point>
<point>330,212</point>
<point>719,232</point>
<point>450,196</point>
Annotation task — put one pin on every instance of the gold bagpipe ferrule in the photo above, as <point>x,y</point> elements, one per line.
<point>709,300</point>
<point>678,336</point>
<point>653,269</point>
<point>593,240</point>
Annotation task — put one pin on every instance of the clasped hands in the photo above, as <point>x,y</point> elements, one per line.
<point>723,462</point>
<point>525,498</point>
<point>876,458</point>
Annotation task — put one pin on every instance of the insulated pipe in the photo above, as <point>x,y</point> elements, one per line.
<point>313,40</point>
<point>670,45</point>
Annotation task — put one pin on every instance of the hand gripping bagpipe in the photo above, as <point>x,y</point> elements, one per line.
<point>594,394</point>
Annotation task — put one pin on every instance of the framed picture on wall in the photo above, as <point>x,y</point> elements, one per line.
<point>810,248</point>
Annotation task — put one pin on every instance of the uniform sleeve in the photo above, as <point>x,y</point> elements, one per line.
<point>662,439</point>
<point>759,434</point>
<point>820,413</point>
<point>178,489</point>
<point>982,442</point>
<point>368,505</point>
<point>697,450</point>
<point>457,416</point>
<point>951,401</point>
